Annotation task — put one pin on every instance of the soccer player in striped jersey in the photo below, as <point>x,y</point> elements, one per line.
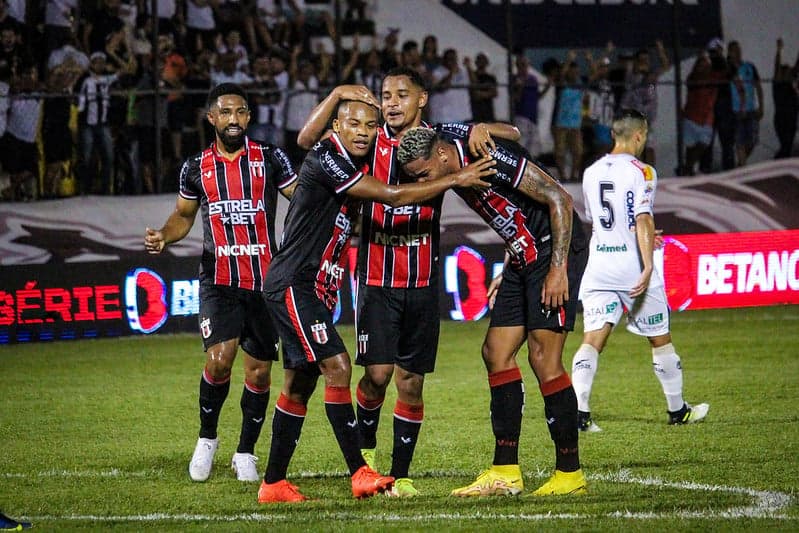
<point>536,300</point>
<point>397,271</point>
<point>302,289</point>
<point>619,192</point>
<point>233,184</point>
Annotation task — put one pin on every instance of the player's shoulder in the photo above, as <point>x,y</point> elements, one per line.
<point>646,170</point>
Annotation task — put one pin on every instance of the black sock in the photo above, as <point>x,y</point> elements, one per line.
<point>212,397</point>
<point>407,423</point>
<point>286,429</point>
<point>338,406</point>
<point>368,412</point>
<point>560,409</point>
<point>253,414</point>
<point>507,405</point>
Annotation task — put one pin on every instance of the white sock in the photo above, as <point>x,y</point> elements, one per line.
<point>667,367</point>
<point>584,367</point>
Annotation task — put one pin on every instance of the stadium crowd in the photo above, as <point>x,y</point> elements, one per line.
<point>78,107</point>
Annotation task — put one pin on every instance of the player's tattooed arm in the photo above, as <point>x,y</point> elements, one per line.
<point>543,188</point>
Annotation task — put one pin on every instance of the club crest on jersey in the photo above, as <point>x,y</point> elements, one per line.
<point>363,342</point>
<point>257,169</point>
<point>319,332</point>
<point>205,327</point>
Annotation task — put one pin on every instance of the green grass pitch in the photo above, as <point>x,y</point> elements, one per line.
<point>97,435</point>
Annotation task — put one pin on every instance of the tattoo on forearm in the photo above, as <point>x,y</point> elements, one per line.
<point>541,187</point>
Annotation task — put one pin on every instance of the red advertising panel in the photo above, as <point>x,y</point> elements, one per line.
<point>716,270</point>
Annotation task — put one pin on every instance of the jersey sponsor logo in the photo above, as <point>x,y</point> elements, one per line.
<point>519,244</point>
<point>629,201</point>
<point>236,211</point>
<point>649,320</point>
<point>412,239</point>
<point>236,250</point>
<point>344,224</point>
<point>611,249</point>
<point>319,332</point>
<point>257,169</point>
<point>402,210</point>
<point>332,168</point>
<point>505,225</point>
<point>332,269</point>
<point>205,327</point>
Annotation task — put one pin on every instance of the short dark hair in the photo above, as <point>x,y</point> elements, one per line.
<point>224,89</point>
<point>412,75</point>
<point>342,103</point>
<point>627,121</point>
<point>409,45</point>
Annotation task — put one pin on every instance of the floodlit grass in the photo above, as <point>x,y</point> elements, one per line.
<point>97,435</point>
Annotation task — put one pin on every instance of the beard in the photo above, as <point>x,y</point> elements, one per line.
<point>230,142</point>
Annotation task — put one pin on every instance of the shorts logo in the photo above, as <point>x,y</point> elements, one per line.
<point>205,327</point>
<point>363,341</point>
<point>611,307</point>
<point>319,332</point>
<point>654,319</point>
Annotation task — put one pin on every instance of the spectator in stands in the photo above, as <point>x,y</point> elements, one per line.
<point>449,97</point>
<point>173,74</point>
<point>370,74</point>
<point>200,26</point>
<point>697,115</point>
<point>547,98</point>
<point>483,89</point>
<point>300,101</point>
<point>641,91</point>
<point>99,24</point>
<point>785,92</point>
<point>430,58</point>
<point>59,22</point>
<point>198,83</point>
<point>601,107</point>
<point>569,119</point>
<point>231,44</point>
<point>170,17</point>
<point>267,97</point>
<point>411,58</point>
<point>19,146</point>
<point>68,56</point>
<point>13,53</point>
<point>525,94</point>
<point>237,15</point>
<point>724,121</point>
<point>389,55</point>
<point>144,123</point>
<point>57,137</point>
<point>747,103</point>
<point>94,101</point>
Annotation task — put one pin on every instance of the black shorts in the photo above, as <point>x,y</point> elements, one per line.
<point>518,301</point>
<point>232,313</point>
<point>398,326</point>
<point>305,326</point>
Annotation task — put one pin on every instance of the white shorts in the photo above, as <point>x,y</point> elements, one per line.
<point>647,315</point>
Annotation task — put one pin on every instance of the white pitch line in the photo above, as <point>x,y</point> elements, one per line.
<point>766,504</point>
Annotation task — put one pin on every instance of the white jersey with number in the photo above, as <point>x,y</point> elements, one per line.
<point>616,189</point>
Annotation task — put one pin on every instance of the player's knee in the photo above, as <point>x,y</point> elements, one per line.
<point>260,375</point>
<point>376,378</point>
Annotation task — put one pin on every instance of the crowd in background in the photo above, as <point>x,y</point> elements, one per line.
<point>79,102</point>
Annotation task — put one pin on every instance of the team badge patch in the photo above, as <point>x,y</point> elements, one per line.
<point>319,332</point>
<point>205,327</point>
<point>363,341</point>
<point>257,169</point>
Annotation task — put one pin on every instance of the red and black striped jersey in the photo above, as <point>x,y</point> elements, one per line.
<point>399,246</point>
<point>523,223</point>
<point>238,202</point>
<point>318,225</point>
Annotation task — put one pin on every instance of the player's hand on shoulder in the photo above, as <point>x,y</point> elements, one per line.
<point>471,175</point>
<point>153,241</point>
<point>480,141</point>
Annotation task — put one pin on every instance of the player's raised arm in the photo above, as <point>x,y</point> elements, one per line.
<point>316,125</point>
<point>176,227</point>
<point>370,188</point>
